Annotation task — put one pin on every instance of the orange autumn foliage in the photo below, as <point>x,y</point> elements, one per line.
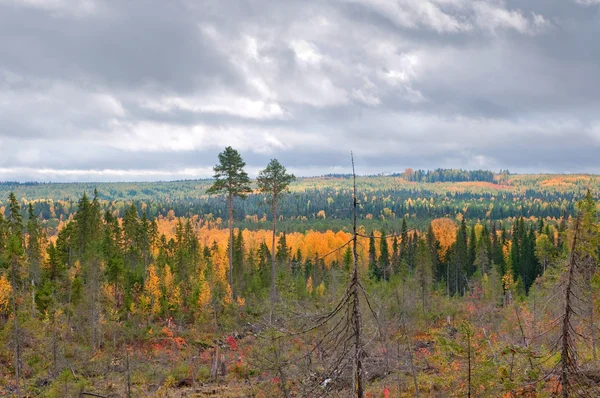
<point>444,230</point>
<point>310,243</point>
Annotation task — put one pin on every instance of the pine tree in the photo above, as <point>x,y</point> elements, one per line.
<point>231,180</point>
<point>273,181</point>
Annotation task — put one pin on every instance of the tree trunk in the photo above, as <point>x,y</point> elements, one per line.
<point>54,348</point>
<point>17,343</point>
<point>448,279</point>
<point>273,272</point>
<point>230,207</point>
<point>469,364</point>
<point>357,374</point>
<point>128,374</point>
<point>565,358</point>
<point>410,358</point>
<point>17,363</point>
<point>593,327</point>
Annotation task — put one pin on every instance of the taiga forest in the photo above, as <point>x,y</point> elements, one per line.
<point>299,198</point>
<point>420,283</point>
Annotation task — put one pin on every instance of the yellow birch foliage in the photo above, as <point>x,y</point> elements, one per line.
<point>321,289</point>
<point>173,292</point>
<point>5,293</point>
<point>205,294</point>
<point>228,299</point>
<point>309,285</point>
<point>153,292</point>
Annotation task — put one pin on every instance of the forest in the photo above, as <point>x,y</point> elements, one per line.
<point>421,283</point>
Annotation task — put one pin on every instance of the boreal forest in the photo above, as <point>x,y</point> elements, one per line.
<point>422,283</point>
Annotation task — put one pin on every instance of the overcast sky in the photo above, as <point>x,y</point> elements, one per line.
<point>153,90</point>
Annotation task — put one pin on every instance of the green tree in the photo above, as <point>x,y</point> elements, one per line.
<point>273,181</point>
<point>461,259</point>
<point>12,258</point>
<point>34,248</point>
<point>395,259</point>
<point>231,180</point>
<point>373,268</point>
<point>114,268</point>
<point>384,256</point>
<point>472,253</point>
<point>423,271</point>
<point>283,251</point>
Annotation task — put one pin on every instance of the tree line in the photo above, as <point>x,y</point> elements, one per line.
<point>115,281</point>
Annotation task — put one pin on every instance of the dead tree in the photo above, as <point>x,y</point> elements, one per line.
<point>572,380</point>
<point>357,373</point>
<point>334,360</point>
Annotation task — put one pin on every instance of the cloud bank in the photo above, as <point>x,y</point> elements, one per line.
<point>154,90</point>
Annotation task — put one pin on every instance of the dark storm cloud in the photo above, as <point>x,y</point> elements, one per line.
<point>93,90</point>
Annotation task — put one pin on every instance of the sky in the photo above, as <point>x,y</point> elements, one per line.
<point>120,90</point>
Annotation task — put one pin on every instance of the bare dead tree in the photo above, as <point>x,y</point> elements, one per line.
<point>572,380</point>
<point>357,374</point>
<point>335,358</point>
<point>409,351</point>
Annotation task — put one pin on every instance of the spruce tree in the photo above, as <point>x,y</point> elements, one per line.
<point>373,268</point>
<point>472,253</point>
<point>34,247</point>
<point>404,241</point>
<point>433,245</point>
<point>395,260</point>
<point>461,258</point>
<point>384,257</point>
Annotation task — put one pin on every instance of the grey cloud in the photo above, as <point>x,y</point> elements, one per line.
<point>153,89</point>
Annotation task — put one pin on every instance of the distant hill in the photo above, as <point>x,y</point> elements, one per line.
<point>324,202</point>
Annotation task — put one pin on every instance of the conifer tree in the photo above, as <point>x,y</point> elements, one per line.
<point>273,181</point>
<point>3,233</point>
<point>373,268</point>
<point>231,180</point>
<point>433,245</point>
<point>395,259</point>
<point>384,257</point>
<point>472,253</point>
<point>12,258</point>
<point>404,241</point>
<point>283,251</point>
<point>34,248</point>
<point>460,259</point>
<point>423,271</point>
<point>347,259</point>
<point>114,268</point>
